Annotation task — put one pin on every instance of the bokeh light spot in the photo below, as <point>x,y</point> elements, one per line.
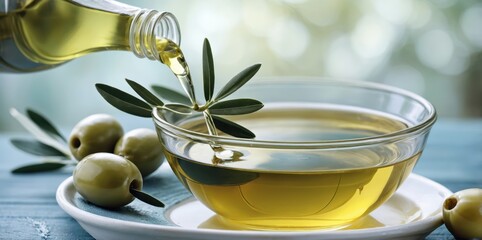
<point>372,37</point>
<point>395,11</point>
<point>435,48</point>
<point>341,61</point>
<point>421,15</point>
<point>471,23</point>
<point>288,38</point>
<point>257,22</point>
<point>320,13</point>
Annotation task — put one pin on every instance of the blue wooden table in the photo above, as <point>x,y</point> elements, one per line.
<point>28,210</point>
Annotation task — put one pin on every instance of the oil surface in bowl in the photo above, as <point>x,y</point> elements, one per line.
<point>286,188</point>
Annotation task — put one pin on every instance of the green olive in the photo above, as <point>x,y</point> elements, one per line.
<point>104,179</point>
<point>95,133</point>
<point>142,147</point>
<point>462,213</point>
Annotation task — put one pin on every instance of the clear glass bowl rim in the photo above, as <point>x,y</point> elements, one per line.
<point>414,130</point>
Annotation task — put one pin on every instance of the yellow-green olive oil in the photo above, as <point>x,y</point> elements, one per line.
<point>50,32</point>
<point>290,189</point>
<point>171,55</point>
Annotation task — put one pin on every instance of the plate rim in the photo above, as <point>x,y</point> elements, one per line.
<point>66,188</point>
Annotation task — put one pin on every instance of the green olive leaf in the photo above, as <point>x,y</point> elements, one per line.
<point>208,70</point>
<point>124,101</point>
<point>171,95</point>
<point>37,148</point>
<point>236,107</point>
<point>39,167</point>
<point>180,104</point>
<point>145,94</point>
<point>146,198</point>
<point>232,128</point>
<point>237,81</point>
<point>39,133</point>
<point>44,124</point>
<point>178,108</point>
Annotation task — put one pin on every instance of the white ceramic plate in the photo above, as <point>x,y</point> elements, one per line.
<point>412,213</point>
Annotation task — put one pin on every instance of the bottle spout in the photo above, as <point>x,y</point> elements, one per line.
<point>149,25</point>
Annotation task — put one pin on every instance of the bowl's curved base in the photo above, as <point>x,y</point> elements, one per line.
<point>280,224</point>
<point>398,210</point>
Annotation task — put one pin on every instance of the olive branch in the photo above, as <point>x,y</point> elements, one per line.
<point>49,143</point>
<point>179,103</point>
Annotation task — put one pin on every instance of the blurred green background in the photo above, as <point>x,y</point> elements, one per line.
<point>432,48</point>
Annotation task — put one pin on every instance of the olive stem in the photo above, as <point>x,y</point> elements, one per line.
<point>210,123</point>
<point>146,198</point>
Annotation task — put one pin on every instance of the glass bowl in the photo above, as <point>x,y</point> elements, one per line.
<point>326,153</point>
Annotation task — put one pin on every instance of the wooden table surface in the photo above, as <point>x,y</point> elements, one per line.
<point>28,209</point>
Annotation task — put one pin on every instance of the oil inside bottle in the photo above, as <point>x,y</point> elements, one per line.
<point>46,33</point>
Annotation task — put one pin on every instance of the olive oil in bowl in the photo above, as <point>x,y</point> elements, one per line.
<point>326,153</point>
<point>298,186</point>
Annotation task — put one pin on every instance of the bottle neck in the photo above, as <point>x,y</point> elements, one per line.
<point>147,27</point>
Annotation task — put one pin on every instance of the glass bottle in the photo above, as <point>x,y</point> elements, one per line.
<point>41,34</point>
